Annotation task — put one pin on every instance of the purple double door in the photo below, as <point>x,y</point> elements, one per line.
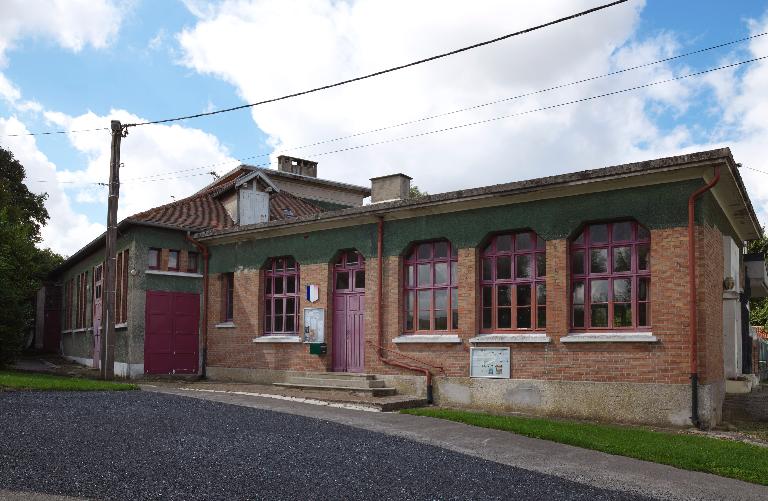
<point>348,343</point>
<point>170,330</point>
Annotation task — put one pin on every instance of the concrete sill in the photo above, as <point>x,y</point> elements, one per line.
<point>428,338</point>
<point>225,325</point>
<point>124,325</point>
<point>277,339</point>
<point>538,337</point>
<point>609,337</point>
<point>174,273</point>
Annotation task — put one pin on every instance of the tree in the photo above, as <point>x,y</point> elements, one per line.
<point>758,308</point>
<point>415,192</point>
<point>23,266</point>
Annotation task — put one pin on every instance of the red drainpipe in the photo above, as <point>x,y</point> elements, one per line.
<point>380,313</point>
<point>692,327</point>
<point>204,334</point>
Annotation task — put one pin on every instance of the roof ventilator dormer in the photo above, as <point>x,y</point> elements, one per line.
<point>253,191</point>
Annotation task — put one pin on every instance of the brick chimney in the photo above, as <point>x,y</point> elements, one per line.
<point>297,166</point>
<point>389,188</point>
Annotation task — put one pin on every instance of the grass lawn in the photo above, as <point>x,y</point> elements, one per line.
<point>26,381</point>
<point>690,452</point>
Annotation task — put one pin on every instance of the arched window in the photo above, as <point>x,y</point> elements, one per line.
<point>611,277</point>
<point>281,297</point>
<point>431,288</point>
<point>513,283</point>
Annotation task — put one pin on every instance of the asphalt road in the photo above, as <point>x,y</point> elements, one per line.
<point>140,445</point>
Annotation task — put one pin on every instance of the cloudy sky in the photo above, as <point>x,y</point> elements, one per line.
<point>76,64</point>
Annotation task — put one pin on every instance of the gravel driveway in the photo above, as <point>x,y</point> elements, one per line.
<point>140,445</point>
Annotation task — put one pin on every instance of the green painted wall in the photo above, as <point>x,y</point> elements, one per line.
<point>129,341</point>
<point>658,206</point>
<point>145,238</point>
<point>314,247</point>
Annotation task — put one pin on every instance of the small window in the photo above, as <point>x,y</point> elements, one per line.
<point>192,262</point>
<point>228,296</point>
<point>173,260</point>
<point>153,259</point>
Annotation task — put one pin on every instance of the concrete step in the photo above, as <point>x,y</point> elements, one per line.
<point>375,392</point>
<point>349,383</point>
<point>340,375</point>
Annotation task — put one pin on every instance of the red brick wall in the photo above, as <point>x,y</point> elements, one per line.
<point>709,260</point>
<point>664,362</point>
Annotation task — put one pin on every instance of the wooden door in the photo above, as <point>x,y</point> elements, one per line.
<point>348,343</point>
<point>171,332</point>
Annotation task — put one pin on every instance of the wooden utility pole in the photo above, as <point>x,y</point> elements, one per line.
<point>108,304</point>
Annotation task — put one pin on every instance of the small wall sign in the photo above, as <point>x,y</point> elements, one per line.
<point>489,363</point>
<point>314,325</point>
<point>313,293</point>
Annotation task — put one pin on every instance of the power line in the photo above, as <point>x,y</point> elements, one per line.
<point>756,170</point>
<point>388,70</point>
<point>54,132</point>
<point>502,117</point>
<point>455,127</point>
<point>461,110</point>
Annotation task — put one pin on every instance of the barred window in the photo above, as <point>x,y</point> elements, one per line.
<point>227,296</point>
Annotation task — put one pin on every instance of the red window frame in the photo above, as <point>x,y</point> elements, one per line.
<point>177,253</point>
<point>192,262</point>
<point>228,297</point>
<point>504,280</point>
<point>425,262</point>
<point>281,296</point>
<point>349,272</point>
<point>156,252</point>
<point>611,277</point>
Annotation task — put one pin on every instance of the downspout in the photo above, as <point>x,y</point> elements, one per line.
<point>380,314</point>
<point>204,331</point>
<point>692,323</point>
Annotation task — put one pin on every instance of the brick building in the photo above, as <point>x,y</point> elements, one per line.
<point>566,295</point>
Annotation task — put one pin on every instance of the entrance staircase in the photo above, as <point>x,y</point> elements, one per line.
<point>364,389</point>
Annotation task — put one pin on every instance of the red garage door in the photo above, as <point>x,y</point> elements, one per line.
<point>170,342</point>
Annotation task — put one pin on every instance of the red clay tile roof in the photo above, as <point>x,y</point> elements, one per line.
<point>194,213</point>
<point>204,211</point>
<point>762,333</point>
<point>298,207</point>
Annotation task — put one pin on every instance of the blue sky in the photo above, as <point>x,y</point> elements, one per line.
<point>161,59</point>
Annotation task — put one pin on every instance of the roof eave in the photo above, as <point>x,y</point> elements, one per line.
<point>519,187</point>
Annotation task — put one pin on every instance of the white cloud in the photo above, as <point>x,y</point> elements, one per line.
<point>71,23</point>
<point>744,99</point>
<point>67,230</point>
<point>248,44</point>
<point>145,152</point>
